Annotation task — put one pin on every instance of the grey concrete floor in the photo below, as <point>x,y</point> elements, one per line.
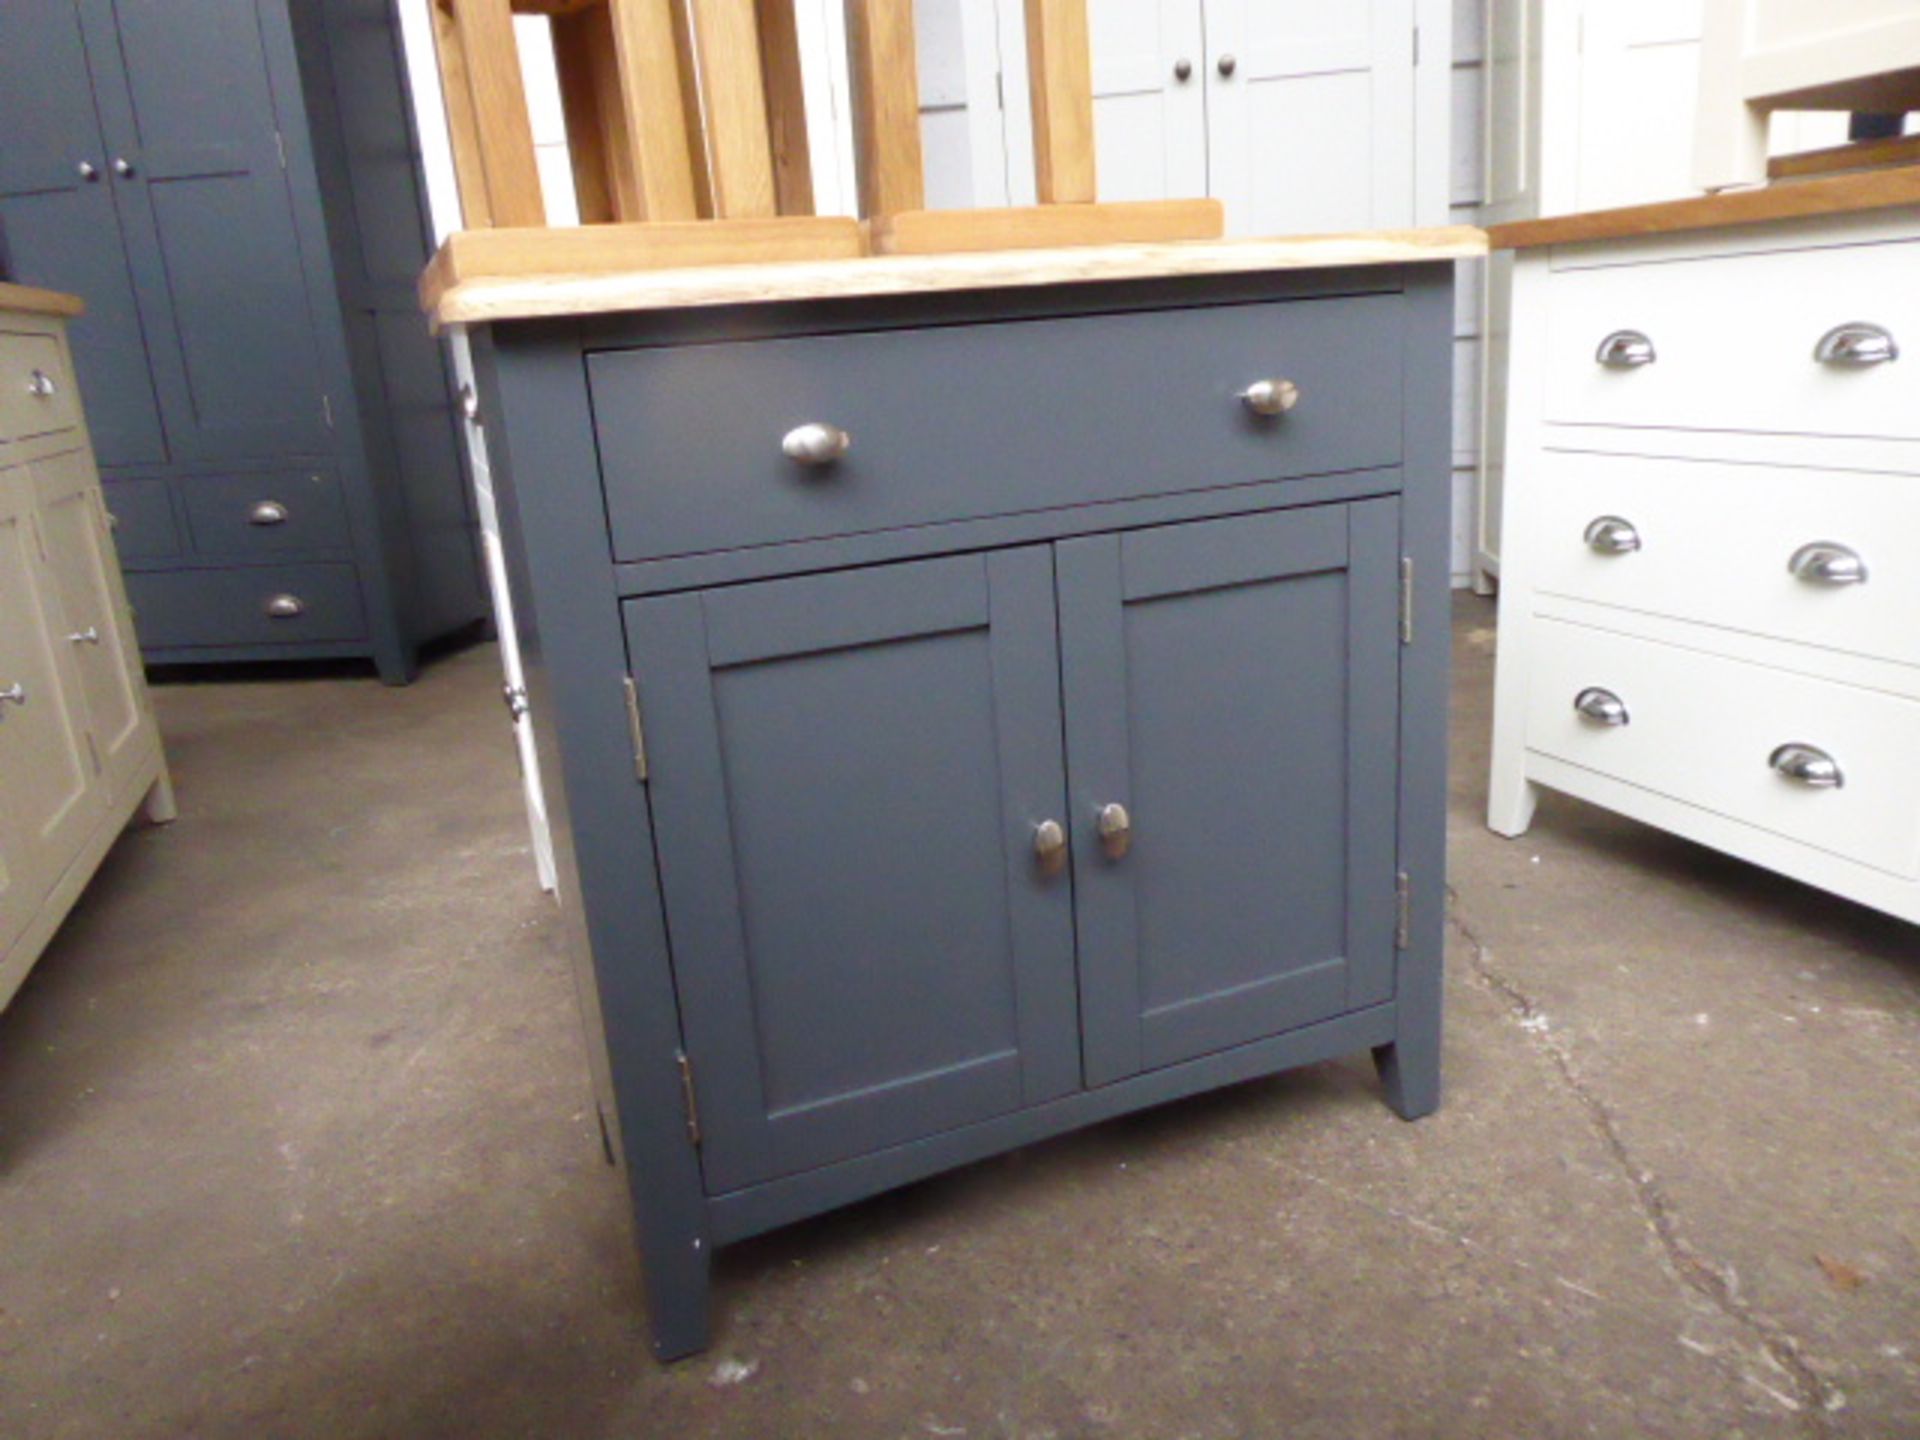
<point>295,1140</point>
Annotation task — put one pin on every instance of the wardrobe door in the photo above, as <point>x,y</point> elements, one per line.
<point>1149,98</point>
<point>57,203</point>
<point>196,162</point>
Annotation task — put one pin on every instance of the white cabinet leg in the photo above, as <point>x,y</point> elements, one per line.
<point>158,807</point>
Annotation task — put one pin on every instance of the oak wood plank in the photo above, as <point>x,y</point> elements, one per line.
<point>1828,195</point>
<point>1040,227</point>
<point>597,146</point>
<point>661,145</point>
<point>1060,88</point>
<point>461,294</point>
<point>1855,155</point>
<point>31,300</point>
<point>501,123</point>
<point>884,74</point>
<point>739,152</point>
<point>463,130</point>
<point>786,106</point>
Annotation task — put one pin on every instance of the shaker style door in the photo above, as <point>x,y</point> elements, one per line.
<point>57,200</point>
<point>849,773</point>
<point>1231,697</point>
<point>197,171</point>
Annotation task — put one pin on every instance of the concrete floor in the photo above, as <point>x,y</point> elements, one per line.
<point>295,1140</point>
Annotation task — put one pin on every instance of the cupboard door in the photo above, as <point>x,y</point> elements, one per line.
<point>48,798</point>
<point>186,103</point>
<point>1150,126</point>
<point>1233,685</point>
<point>1313,129</point>
<point>94,609</point>
<point>847,772</point>
<point>62,228</point>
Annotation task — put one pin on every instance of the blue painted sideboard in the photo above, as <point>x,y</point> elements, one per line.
<point>973,718</point>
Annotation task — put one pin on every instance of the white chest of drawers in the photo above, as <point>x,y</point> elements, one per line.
<point>1710,595</point>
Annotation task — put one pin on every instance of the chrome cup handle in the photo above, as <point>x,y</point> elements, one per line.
<point>1611,535</point>
<point>1625,350</point>
<point>1827,562</point>
<point>1603,707</point>
<point>1856,344</point>
<point>1807,765</point>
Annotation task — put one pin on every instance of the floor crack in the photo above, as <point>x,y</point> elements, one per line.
<point>1813,1396</point>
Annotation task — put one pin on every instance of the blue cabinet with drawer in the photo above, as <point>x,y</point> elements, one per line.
<point>976,716</point>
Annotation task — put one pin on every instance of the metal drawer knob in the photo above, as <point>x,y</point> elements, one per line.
<point>1825,562</point>
<point>285,607</point>
<point>1807,765</point>
<point>1624,350</point>
<point>88,636</point>
<point>1226,65</point>
<point>1611,535</point>
<point>267,512</point>
<point>1114,826</point>
<point>14,694</point>
<point>40,385</point>
<point>1856,344</point>
<point>123,167</point>
<point>1603,707</point>
<point>1049,847</point>
<point>816,444</point>
<point>1183,69</point>
<point>1270,397</point>
<point>88,171</point>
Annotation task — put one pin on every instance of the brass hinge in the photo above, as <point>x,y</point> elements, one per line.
<point>687,1094</point>
<point>1406,599</point>
<point>326,410</point>
<point>635,731</point>
<point>1403,902</point>
<point>280,148</point>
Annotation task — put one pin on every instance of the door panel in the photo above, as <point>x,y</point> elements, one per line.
<point>93,602</point>
<point>847,771</point>
<point>47,795</point>
<point>63,231</point>
<point>1313,130</point>
<point>210,223</point>
<point>1233,684</point>
<point>1150,133</point>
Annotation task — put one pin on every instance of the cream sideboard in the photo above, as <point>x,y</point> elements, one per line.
<point>79,752</point>
<point>1712,512</point>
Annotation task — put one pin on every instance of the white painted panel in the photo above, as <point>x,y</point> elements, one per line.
<point>1149,126</point>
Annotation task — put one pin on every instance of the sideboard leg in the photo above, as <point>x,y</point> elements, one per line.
<point>1511,799</point>
<point>1410,1070</point>
<point>158,807</point>
<point>679,1298</point>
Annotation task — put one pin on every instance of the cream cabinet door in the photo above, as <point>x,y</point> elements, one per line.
<point>1149,98</point>
<point>93,601</point>
<point>48,793</point>
<point>1310,114</point>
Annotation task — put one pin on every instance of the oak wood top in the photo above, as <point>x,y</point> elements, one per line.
<point>1789,199</point>
<point>476,298</point>
<point>32,301</point>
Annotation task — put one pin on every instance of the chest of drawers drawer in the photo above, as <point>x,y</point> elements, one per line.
<point>265,514</point>
<point>1743,741</point>
<point>261,605</point>
<point>705,447</point>
<point>1822,558</point>
<point>37,394</point>
<point>1732,343</point>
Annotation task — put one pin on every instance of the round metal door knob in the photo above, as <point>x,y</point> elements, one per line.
<point>1183,69</point>
<point>14,694</point>
<point>816,444</point>
<point>1114,826</point>
<point>1227,65</point>
<point>1049,847</point>
<point>123,167</point>
<point>1270,397</point>
<point>286,607</point>
<point>87,171</point>
<point>40,385</point>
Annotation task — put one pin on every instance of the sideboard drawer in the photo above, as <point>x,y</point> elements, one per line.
<point>262,605</point>
<point>1702,729</point>
<point>37,395</point>
<point>1717,544</point>
<point>967,421</point>
<point>265,514</point>
<point>1733,343</point>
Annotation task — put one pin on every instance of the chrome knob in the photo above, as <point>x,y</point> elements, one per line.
<point>88,636</point>
<point>14,694</point>
<point>816,444</point>
<point>469,405</point>
<point>88,171</point>
<point>1115,828</point>
<point>1049,847</point>
<point>517,701</point>
<point>1183,69</point>
<point>1624,350</point>
<point>267,512</point>
<point>1857,344</point>
<point>1807,765</point>
<point>1610,535</point>
<point>40,385</point>
<point>285,607</point>
<point>123,167</point>
<point>1823,562</point>
<point>1270,397</point>
<point>1227,65</point>
<point>1603,707</point>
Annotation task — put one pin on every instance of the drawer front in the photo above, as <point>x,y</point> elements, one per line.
<point>968,421</point>
<point>268,605</point>
<point>37,395</point>
<point>1716,544</point>
<point>142,517</point>
<point>1733,341</point>
<point>1702,729</point>
<point>265,513</point>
